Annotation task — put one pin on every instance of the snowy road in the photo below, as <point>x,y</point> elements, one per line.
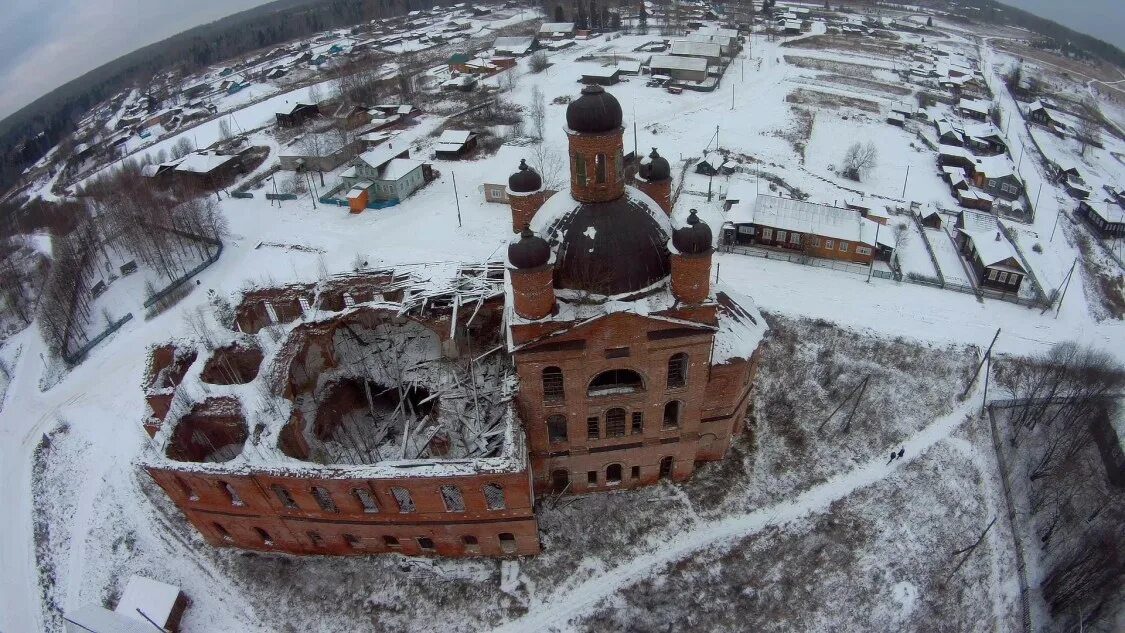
<point>558,612</point>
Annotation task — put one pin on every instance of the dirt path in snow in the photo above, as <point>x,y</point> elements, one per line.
<point>561,609</point>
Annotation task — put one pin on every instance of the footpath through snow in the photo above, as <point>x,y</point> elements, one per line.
<point>560,610</point>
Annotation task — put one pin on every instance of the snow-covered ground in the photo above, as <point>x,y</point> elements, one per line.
<point>99,519</point>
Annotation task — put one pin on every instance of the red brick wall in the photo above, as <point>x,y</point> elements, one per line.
<point>289,528</point>
<point>590,146</point>
<point>691,276</point>
<point>658,190</point>
<point>524,207</point>
<point>579,455</point>
<point>533,292</point>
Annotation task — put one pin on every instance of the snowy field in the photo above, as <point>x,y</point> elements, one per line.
<point>738,543</point>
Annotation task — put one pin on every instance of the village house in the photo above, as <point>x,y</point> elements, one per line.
<point>318,151</point>
<point>386,175</point>
<point>556,30</point>
<point>514,46</point>
<point>976,109</point>
<point>207,170</point>
<point>679,68</point>
<point>604,76</point>
<point>989,253</point>
<point>1106,216</point>
<point>144,604</point>
<point>815,229</point>
<point>296,114</point>
<point>454,144</point>
<point>702,50</point>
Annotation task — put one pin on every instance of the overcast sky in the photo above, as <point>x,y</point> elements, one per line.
<point>45,43</point>
<point>1104,19</point>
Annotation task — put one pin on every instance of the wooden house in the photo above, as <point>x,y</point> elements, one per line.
<point>453,144</point>
<point>989,253</point>
<point>295,114</point>
<point>1107,217</point>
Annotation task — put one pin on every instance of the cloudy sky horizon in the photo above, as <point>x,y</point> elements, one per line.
<point>46,43</point>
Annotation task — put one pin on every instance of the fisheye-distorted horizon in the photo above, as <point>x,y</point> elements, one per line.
<point>45,43</point>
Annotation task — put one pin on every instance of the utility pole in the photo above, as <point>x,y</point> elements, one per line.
<point>732,96</point>
<point>1020,161</point>
<point>1066,285</point>
<point>312,190</point>
<point>904,181</point>
<point>275,194</point>
<point>976,373</point>
<point>1058,212</point>
<point>456,198</point>
<point>875,246</point>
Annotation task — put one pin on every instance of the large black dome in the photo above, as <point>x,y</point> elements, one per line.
<point>525,180</point>
<point>655,167</point>
<point>531,251</point>
<point>609,248</point>
<point>596,111</point>
<point>693,238</point>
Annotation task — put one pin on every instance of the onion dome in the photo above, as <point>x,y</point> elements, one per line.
<point>531,251</point>
<point>596,111</point>
<point>525,180</point>
<point>655,167</point>
<point>694,238</point>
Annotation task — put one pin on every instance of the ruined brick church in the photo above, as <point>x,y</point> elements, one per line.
<point>424,412</point>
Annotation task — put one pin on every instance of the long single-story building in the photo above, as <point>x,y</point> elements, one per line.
<point>988,251</point>
<point>815,229</point>
<point>1106,216</point>
<point>677,67</point>
<point>296,114</point>
<point>453,144</point>
<point>710,51</point>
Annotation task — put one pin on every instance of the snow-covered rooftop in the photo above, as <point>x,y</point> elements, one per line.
<point>153,598</point>
<point>676,62</point>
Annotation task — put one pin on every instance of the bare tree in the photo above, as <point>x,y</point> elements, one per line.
<point>537,112</point>
<point>550,164</point>
<point>224,129</point>
<point>314,146</point>
<point>315,95</point>
<point>1087,134</point>
<point>901,236</point>
<point>859,159</point>
<point>182,148</point>
<point>538,62</point>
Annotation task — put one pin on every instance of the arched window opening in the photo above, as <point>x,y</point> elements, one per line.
<point>494,497</point>
<point>391,542</point>
<point>366,499</point>
<point>426,543</point>
<point>222,532</point>
<point>619,165</point>
<point>677,370</point>
<point>613,474</point>
<point>452,498</point>
<point>615,382</point>
<point>231,494</point>
<point>672,414</point>
<point>580,169</point>
<point>324,499</point>
<point>556,428</point>
<point>403,499</point>
<point>351,541</point>
<point>638,423</point>
<point>553,390</point>
<point>600,168</point>
<point>284,496</point>
<point>186,489</point>
<point>314,538</point>
<point>666,465</point>
<point>615,423</point>
<point>507,542</point>
<point>593,424</point>
<point>471,544</point>
<point>264,535</point>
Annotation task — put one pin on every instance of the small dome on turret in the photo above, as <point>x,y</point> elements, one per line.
<point>655,167</point>
<point>596,111</point>
<point>525,180</point>
<point>694,238</point>
<point>530,251</point>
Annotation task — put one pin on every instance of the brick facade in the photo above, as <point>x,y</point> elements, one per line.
<point>625,341</point>
<point>292,519</point>
<point>589,147</point>
<point>691,277</point>
<point>658,190</point>
<point>533,291</point>
<point>524,206</point>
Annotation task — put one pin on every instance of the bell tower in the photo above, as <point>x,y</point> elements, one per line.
<point>593,127</point>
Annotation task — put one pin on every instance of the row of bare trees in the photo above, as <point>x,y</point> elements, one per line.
<point>1063,401</point>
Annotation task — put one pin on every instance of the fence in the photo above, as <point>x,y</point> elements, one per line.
<point>800,258</point>
<point>76,356</point>
<point>1017,542</point>
<point>191,273</point>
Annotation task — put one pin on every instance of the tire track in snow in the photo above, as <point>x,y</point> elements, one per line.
<point>559,611</point>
